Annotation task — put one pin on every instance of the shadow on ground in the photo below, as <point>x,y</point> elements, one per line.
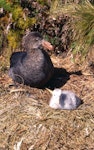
<point>60,77</point>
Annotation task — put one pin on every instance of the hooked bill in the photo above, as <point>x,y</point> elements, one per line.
<point>47,45</point>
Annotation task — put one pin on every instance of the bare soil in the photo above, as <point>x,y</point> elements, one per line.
<point>28,123</point>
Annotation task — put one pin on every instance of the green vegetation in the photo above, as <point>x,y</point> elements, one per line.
<point>14,22</point>
<point>81,23</point>
<point>5,5</point>
<point>67,24</point>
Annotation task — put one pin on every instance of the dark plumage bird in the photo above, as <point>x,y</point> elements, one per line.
<point>32,67</point>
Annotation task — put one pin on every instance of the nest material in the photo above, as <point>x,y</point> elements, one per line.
<point>27,122</point>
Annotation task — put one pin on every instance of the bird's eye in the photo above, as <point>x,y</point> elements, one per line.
<point>37,39</point>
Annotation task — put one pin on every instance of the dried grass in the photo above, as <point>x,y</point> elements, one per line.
<point>27,122</point>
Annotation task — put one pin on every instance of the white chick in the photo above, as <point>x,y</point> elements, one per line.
<point>64,99</point>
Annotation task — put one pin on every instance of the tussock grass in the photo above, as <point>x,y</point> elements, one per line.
<point>81,23</point>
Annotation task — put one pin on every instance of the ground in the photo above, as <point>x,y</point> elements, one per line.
<point>28,123</point>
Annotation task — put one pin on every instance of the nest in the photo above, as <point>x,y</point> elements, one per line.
<point>28,123</point>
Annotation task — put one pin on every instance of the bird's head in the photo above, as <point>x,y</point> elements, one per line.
<point>57,92</point>
<point>33,40</point>
<point>55,99</point>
